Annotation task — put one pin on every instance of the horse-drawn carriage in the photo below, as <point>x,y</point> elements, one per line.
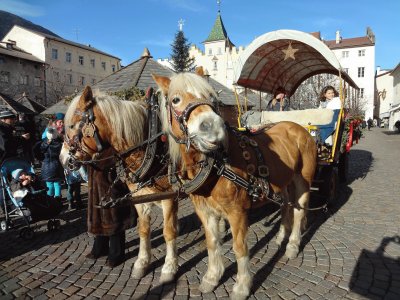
<point>286,58</point>
<point>223,170</point>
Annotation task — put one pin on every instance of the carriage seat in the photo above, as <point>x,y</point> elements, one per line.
<point>325,119</point>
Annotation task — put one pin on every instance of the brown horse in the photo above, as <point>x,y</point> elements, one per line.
<point>121,125</point>
<point>289,153</point>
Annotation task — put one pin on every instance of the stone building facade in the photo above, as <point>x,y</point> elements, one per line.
<point>69,66</point>
<point>20,73</point>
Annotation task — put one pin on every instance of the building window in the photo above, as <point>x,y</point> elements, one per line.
<point>4,76</point>
<point>68,57</point>
<point>93,81</point>
<point>24,79</point>
<point>54,53</point>
<point>219,51</point>
<point>2,60</point>
<point>69,78</point>
<point>81,80</point>
<point>361,92</point>
<point>215,66</point>
<point>210,51</point>
<point>361,72</point>
<point>37,81</point>
<point>361,52</point>
<point>103,65</point>
<point>92,62</point>
<point>81,62</point>
<point>113,68</point>
<point>345,54</point>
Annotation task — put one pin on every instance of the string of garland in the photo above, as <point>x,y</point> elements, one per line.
<point>132,94</point>
<point>357,133</point>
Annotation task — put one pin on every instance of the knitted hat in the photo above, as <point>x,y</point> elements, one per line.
<point>5,114</point>
<point>16,173</point>
<point>59,116</point>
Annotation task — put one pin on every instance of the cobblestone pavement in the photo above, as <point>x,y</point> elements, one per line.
<point>351,253</point>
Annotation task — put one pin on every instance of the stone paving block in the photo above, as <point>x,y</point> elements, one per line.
<point>71,290</point>
<point>36,292</point>
<point>85,292</point>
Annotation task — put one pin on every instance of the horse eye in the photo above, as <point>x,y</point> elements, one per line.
<point>176,100</point>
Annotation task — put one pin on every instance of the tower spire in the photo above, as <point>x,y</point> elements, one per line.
<point>219,5</point>
<point>180,24</point>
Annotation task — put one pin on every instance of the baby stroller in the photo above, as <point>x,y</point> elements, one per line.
<point>35,206</point>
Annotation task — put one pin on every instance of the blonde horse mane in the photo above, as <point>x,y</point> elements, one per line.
<point>125,118</point>
<point>183,83</point>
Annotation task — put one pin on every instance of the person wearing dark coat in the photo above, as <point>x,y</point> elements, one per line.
<point>52,170</point>
<point>9,143</point>
<point>107,225</point>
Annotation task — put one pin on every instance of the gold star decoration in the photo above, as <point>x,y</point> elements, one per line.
<point>289,52</point>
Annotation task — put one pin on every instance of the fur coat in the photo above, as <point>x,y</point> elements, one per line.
<point>113,220</point>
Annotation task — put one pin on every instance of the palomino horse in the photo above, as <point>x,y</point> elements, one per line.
<point>288,152</point>
<point>121,125</point>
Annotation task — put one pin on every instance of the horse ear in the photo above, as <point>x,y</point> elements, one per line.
<point>87,97</point>
<point>162,82</point>
<point>199,71</point>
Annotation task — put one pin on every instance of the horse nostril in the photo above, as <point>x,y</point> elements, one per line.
<point>205,126</point>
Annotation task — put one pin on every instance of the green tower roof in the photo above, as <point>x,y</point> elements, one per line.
<point>218,32</point>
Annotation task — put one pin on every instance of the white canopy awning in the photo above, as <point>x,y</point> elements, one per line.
<point>285,58</point>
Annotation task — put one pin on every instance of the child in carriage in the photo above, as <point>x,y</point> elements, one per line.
<point>27,193</point>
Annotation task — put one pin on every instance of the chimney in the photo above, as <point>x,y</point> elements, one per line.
<point>338,37</point>
<point>378,69</point>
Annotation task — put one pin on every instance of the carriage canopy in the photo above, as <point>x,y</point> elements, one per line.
<point>285,58</point>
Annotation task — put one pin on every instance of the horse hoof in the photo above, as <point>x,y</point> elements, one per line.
<point>236,296</point>
<point>138,273</point>
<point>206,287</point>
<point>291,251</point>
<point>167,277</point>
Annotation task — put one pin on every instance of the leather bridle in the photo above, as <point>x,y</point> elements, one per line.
<point>182,118</point>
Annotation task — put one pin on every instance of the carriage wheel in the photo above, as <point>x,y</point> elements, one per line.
<point>343,167</point>
<point>4,225</point>
<point>26,233</point>
<point>50,225</point>
<point>57,224</point>
<point>329,186</point>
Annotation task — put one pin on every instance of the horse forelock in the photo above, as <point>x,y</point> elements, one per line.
<point>184,83</point>
<point>193,84</point>
<point>126,119</point>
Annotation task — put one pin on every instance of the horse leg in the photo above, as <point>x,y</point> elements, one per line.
<point>286,218</point>
<point>170,267</point>
<point>144,256</point>
<point>302,194</point>
<point>216,267</point>
<point>238,223</point>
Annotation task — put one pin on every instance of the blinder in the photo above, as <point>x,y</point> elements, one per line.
<point>86,129</point>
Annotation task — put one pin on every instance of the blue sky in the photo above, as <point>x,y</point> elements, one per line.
<point>124,27</point>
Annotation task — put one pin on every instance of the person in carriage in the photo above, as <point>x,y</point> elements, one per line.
<point>329,98</point>
<point>27,192</point>
<point>279,102</point>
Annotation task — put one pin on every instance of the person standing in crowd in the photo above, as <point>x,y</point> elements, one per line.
<point>369,123</point>
<point>279,102</point>
<point>52,170</point>
<point>73,180</point>
<point>107,225</point>
<point>24,126</point>
<point>8,141</point>
<point>329,98</point>
<point>57,122</point>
